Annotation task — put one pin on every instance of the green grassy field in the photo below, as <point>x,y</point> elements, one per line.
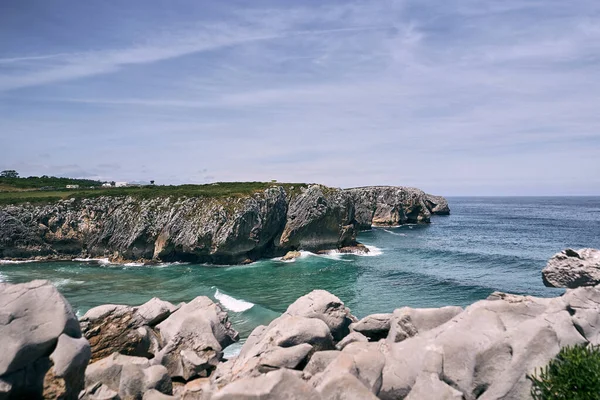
<point>214,190</point>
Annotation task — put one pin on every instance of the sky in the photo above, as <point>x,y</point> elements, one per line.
<point>469,97</point>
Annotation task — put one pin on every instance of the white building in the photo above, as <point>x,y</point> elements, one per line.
<point>106,184</point>
<point>121,184</point>
<point>72,186</point>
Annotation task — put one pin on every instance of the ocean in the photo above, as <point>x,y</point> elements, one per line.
<point>487,244</point>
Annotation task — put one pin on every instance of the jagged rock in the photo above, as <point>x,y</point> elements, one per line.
<point>487,350</point>
<point>40,343</point>
<point>112,328</point>
<point>407,322</point>
<point>375,326</point>
<point>362,360</point>
<point>65,379</point>
<point>291,255</point>
<point>224,230</point>
<point>351,338</point>
<point>99,392</point>
<point>154,311</point>
<point>572,269</point>
<point>124,329</point>
<point>129,376</point>
<point>328,308</point>
<point>288,339</point>
<point>193,338</point>
<point>280,384</point>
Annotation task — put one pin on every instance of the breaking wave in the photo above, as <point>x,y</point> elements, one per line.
<point>96,260</point>
<point>232,303</point>
<point>16,261</point>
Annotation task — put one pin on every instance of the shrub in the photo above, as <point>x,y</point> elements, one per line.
<point>573,375</point>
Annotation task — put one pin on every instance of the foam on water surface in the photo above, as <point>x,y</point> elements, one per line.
<point>231,303</point>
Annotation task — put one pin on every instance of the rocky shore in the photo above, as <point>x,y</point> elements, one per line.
<point>227,230</point>
<point>315,350</point>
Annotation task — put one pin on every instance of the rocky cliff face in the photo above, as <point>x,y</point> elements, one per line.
<point>218,230</point>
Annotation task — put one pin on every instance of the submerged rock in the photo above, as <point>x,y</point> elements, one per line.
<point>571,269</point>
<point>43,353</point>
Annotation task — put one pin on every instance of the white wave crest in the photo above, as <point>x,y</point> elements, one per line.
<point>64,282</point>
<point>394,233</point>
<point>134,264</point>
<point>232,303</point>
<point>2,278</point>
<point>16,261</point>
<point>373,251</point>
<point>97,260</point>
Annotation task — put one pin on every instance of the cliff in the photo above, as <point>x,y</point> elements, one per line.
<point>223,230</point>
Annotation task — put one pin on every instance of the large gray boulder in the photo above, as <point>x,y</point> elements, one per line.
<point>130,377</point>
<point>407,322</point>
<point>375,326</point>
<point>486,351</point>
<point>328,308</point>
<point>572,269</point>
<point>41,344</point>
<point>276,385</point>
<point>193,339</point>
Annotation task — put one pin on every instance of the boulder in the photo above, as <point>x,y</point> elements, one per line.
<point>375,326</point>
<point>362,360</point>
<point>319,362</point>
<point>124,329</point>
<point>345,386</point>
<point>41,343</point>
<point>328,308</point>
<point>351,338</point>
<point>280,384</point>
<point>285,343</point>
<point>128,376</point>
<point>193,337</point>
<point>407,322</point>
<point>487,350</point>
<point>572,269</point>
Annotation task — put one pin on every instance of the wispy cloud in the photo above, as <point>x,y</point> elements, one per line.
<point>458,97</point>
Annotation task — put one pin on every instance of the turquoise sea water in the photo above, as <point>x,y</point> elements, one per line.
<point>487,244</point>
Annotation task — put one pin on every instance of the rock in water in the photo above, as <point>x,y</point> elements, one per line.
<point>43,353</point>
<point>571,269</point>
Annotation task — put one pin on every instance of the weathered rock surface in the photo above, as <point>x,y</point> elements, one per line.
<point>375,326</point>
<point>129,377</point>
<point>571,269</point>
<point>275,385</point>
<point>187,340</point>
<point>193,339</point>
<point>124,329</point>
<point>43,353</point>
<point>218,230</point>
<point>407,322</point>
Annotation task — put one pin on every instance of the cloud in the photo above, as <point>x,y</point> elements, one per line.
<point>457,97</point>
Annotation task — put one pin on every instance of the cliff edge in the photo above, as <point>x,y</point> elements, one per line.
<point>225,230</point>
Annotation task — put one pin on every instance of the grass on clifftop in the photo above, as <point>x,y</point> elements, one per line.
<point>214,190</point>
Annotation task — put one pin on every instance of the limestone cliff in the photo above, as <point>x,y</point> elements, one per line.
<point>200,229</point>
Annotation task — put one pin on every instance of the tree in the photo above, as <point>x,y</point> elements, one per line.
<point>112,183</point>
<point>152,182</point>
<point>9,173</point>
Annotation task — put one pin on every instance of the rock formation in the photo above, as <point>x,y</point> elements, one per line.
<point>41,347</point>
<point>315,350</point>
<point>219,230</point>
<point>571,269</point>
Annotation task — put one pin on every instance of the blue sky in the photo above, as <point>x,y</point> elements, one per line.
<point>471,97</point>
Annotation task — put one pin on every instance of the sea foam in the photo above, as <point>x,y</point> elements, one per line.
<point>16,261</point>
<point>232,303</point>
